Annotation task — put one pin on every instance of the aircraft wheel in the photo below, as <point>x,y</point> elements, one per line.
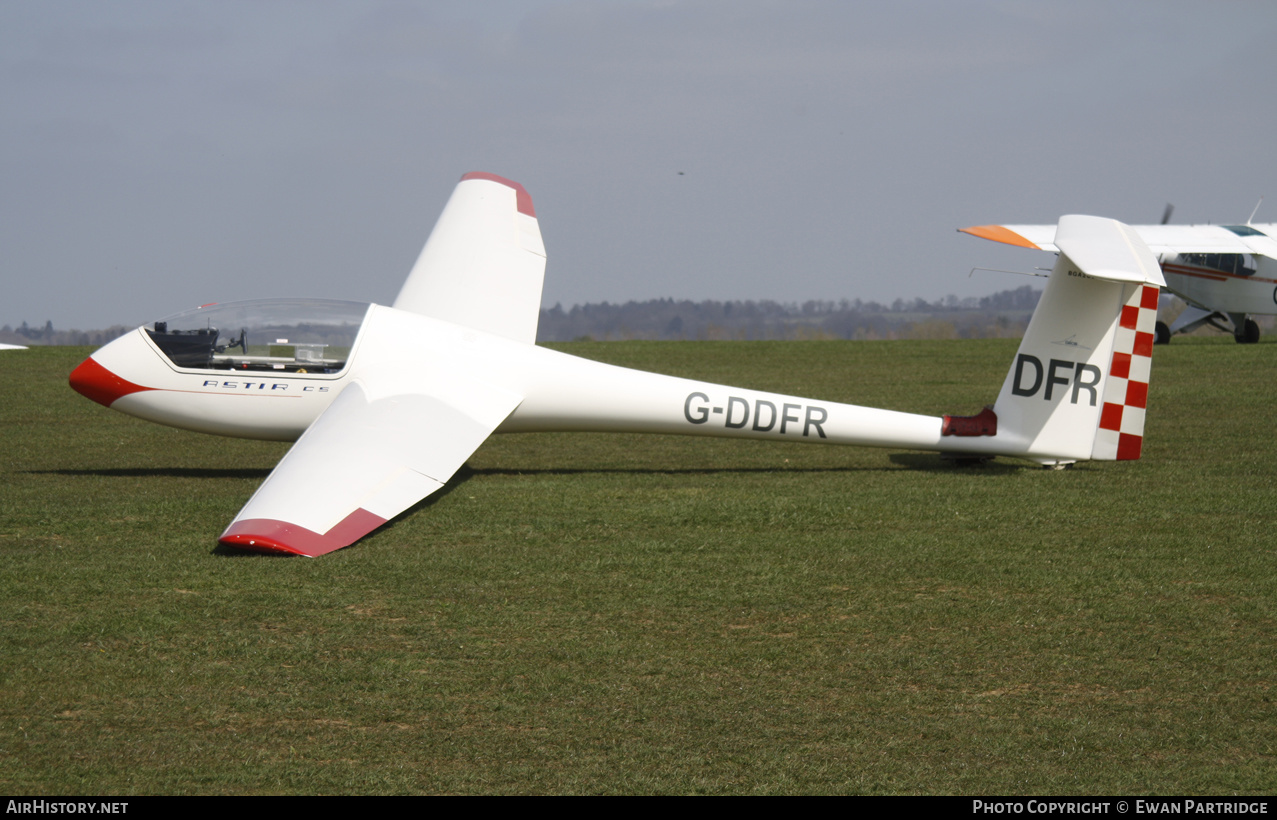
<point>1249,334</point>
<point>1161,334</point>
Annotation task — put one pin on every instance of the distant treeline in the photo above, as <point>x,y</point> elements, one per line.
<point>46,335</point>
<point>1004,314</point>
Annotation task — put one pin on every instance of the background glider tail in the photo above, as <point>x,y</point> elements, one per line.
<point>1078,387</point>
<point>484,263</point>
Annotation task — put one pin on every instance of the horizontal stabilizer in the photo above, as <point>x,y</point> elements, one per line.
<point>1107,249</point>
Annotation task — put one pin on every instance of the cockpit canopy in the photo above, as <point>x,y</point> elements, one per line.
<point>311,336</point>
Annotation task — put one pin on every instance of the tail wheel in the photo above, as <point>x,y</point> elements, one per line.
<point>1249,334</point>
<point>1161,334</point>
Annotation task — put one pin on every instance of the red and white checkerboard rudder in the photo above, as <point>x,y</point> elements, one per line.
<point>1120,434</point>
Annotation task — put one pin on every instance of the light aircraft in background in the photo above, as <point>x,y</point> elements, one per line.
<point>12,347</point>
<point>1225,273</point>
<point>387,403</point>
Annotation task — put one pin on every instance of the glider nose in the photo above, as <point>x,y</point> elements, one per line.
<point>94,381</point>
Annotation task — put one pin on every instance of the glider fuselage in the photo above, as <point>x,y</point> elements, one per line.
<point>561,393</point>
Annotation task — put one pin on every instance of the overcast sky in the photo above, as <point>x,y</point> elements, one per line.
<point>160,155</point>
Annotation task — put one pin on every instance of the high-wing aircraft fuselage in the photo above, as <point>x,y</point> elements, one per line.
<point>1228,282</point>
<point>386,403</point>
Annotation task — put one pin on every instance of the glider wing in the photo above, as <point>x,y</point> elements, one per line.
<point>484,263</point>
<point>379,448</point>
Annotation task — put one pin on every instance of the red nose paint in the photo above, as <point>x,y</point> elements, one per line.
<point>94,381</point>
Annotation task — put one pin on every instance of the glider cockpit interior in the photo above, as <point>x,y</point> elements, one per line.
<point>265,335</point>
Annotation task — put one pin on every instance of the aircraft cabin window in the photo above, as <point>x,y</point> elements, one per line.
<point>305,336</point>
<point>1238,264</point>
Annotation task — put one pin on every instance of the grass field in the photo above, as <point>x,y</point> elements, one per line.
<point>605,613</point>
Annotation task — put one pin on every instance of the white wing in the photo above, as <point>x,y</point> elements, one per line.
<point>1161,239</point>
<point>484,263</point>
<point>383,445</point>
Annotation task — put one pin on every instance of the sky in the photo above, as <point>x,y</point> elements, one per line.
<point>155,156</point>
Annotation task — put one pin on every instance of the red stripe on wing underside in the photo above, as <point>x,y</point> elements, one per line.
<point>271,535</point>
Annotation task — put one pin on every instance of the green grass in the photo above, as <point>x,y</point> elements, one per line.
<point>606,613</point>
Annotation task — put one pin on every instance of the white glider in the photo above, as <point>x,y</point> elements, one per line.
<point>1225,273</point>
<point>386,403</point>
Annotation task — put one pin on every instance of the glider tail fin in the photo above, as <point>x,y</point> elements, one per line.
<point>1078,387</point>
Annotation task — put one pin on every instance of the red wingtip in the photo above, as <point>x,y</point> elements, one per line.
<point>273,536</point>
<point>94,381</point>
<point>522,197</point>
